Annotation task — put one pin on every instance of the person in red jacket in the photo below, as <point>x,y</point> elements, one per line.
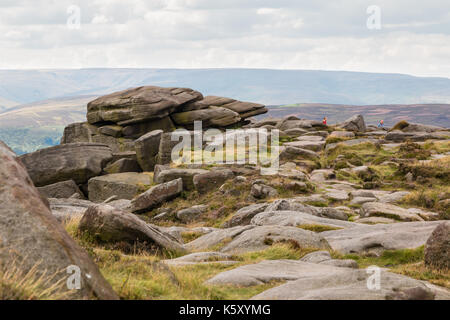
<point>324,121</point>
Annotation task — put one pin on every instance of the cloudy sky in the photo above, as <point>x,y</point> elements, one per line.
<point>414,37</point>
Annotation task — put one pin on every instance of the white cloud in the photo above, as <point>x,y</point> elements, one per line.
<point>289,34</point>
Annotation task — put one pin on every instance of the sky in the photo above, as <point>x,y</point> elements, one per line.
<point>388,36</point>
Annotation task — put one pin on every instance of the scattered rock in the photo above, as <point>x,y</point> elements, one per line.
<point>261,191</point>
<point>209,181</point>
<point>309,145</point>
<point>123,185</point>
<point>378,209</point>
<point>64,189</point>
<point>375,239</point>
<point>156,195</point>
<point>187,175</point>
<point>110,225</point>
<point>323,282</point>
<point>362,200</point>
<point>244,215</point>
<point>298,219</point>
<point>189,214</point>
<point>437,248</point>
<point>355,123</point>
<point>123,165</point>
<point>216,238</point>
<point>295,153</point>
<point>337,195</point>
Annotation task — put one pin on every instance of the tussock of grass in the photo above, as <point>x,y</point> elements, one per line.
<point>145,277</point>
<point>400,125</point>
<point>420,271</point>
<point>389,258</point>
<point>190,236</point>
<point>16,284</point>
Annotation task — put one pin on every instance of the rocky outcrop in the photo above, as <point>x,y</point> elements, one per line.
<point>157,195</point>
<point>437,248</point>
<point>119,118</point>
<point>32,238</point>
<point>108,224</point>
<point>76,161</point>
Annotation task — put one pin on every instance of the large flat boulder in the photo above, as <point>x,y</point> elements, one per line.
<point>260,238</point>
<point>322,282</point>
<point>210,117</point>
<point>308,145</point>
<point>139,104</point>
<point>380,237</point>
<point>387,210</point>
<point>75,161</point>
<point>216,238</point>
<point>122,185</point>
<point>298,219</point>
<point>157,195</point>
<point>31,237</point>
<point>110,225</point>
<point>243,109</point>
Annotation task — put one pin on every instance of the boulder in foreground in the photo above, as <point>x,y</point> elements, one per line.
<point>32,237</point>
<point>109,224</point>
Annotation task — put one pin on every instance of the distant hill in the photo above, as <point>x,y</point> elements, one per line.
<point>433,114</point>
<point>62,95</point>
<point>272,87</point>
<point>29,127</point>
